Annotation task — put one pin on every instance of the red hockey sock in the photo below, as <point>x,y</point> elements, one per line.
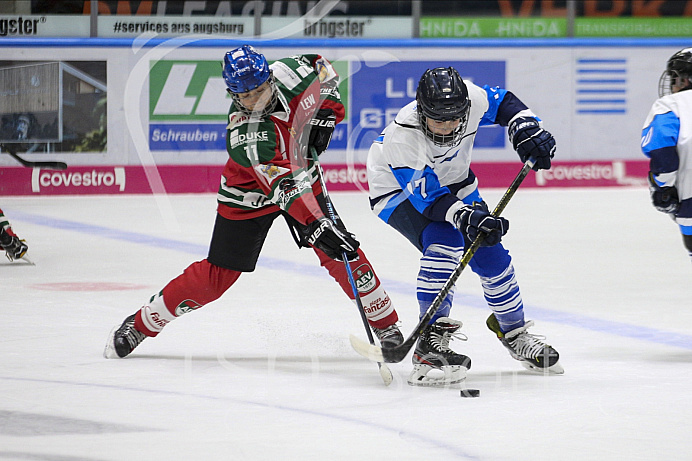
<point>200,284</point>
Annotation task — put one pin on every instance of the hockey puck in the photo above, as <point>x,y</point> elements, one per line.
<point>470,393</point>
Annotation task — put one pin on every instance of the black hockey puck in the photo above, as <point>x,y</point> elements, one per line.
<point>470,393</point>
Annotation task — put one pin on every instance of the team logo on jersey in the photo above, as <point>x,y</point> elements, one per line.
<point>271,171</point>
<point>288,189</point>
<point>186,306</point>
<point>365,279</point>
<point>322,71</point>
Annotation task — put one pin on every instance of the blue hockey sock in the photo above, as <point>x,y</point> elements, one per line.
<point>503,297</point>
<point>436,266</point>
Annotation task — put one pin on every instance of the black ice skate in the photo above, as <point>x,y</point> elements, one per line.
<point>432,351</point>
<point>389,336</point>
<point>530,350</point>
<point>13,246</point>
<point>123,339</point>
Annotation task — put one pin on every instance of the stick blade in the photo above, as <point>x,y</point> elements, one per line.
<point>386,374</point>
<point>367,350</point>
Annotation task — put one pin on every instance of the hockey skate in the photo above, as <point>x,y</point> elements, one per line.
<point>14,247</point>
<point>530,350</point>
<point>123,339</point>
<point>389,336</point>
<point>433,352</point>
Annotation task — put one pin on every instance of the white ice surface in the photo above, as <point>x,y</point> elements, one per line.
<point>267,372</point>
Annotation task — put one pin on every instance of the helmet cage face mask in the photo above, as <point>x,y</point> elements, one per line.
<point>263,111</point>
<point>442,96</point>
<point>678,67</point>
<point>444,140</point>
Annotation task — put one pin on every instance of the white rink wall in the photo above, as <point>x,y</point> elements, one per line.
<point>593,95</point>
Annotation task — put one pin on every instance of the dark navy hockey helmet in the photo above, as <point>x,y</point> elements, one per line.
<point>442,96</point>
<point>678,66</point>
<point>244,69</point>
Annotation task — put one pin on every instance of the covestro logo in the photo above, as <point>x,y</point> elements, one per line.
<point>93,178</point>
<point>589,174</point>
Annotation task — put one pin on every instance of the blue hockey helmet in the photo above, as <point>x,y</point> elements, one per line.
<point>244,69</point>
<point>442,96</point>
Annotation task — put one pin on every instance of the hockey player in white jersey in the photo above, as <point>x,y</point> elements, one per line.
<point>667,141</point>
<point>421,184</point>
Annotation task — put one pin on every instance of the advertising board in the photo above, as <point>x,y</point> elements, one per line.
<point>167,105</point>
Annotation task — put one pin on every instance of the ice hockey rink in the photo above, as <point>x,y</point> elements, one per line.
<point>267,371</point>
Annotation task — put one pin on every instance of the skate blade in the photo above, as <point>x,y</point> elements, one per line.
<point>109,350</point>
<point>556,369</point>
<point>451,375</point>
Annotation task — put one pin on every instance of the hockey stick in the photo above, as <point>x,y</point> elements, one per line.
<point>27,163</point>
<point>385,372</point>
<point>398,353</point>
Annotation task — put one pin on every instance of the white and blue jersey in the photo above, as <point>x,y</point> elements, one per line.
<point>416,187</point>
<point>403,164</point>
<point>667,141</point>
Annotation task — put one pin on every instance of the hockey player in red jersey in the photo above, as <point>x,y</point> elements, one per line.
<point>277,113</point>
<point>14,247</point>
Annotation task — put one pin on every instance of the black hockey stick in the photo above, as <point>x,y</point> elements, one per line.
<point>398,353</point>
<point>27,163</point>
<point>385,372</point>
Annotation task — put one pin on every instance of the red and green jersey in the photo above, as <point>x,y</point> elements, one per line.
<point>267,170</point>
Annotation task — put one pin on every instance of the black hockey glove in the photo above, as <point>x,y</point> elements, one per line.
<point>474,219</point>
<point>321,129</point>
<point>13,247</point>
<point>530,140</point>
<point>323,234</point>
<point>665,199</point>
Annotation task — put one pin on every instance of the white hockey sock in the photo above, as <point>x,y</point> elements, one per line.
<point>155,314</point>
<point>377,304</point>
